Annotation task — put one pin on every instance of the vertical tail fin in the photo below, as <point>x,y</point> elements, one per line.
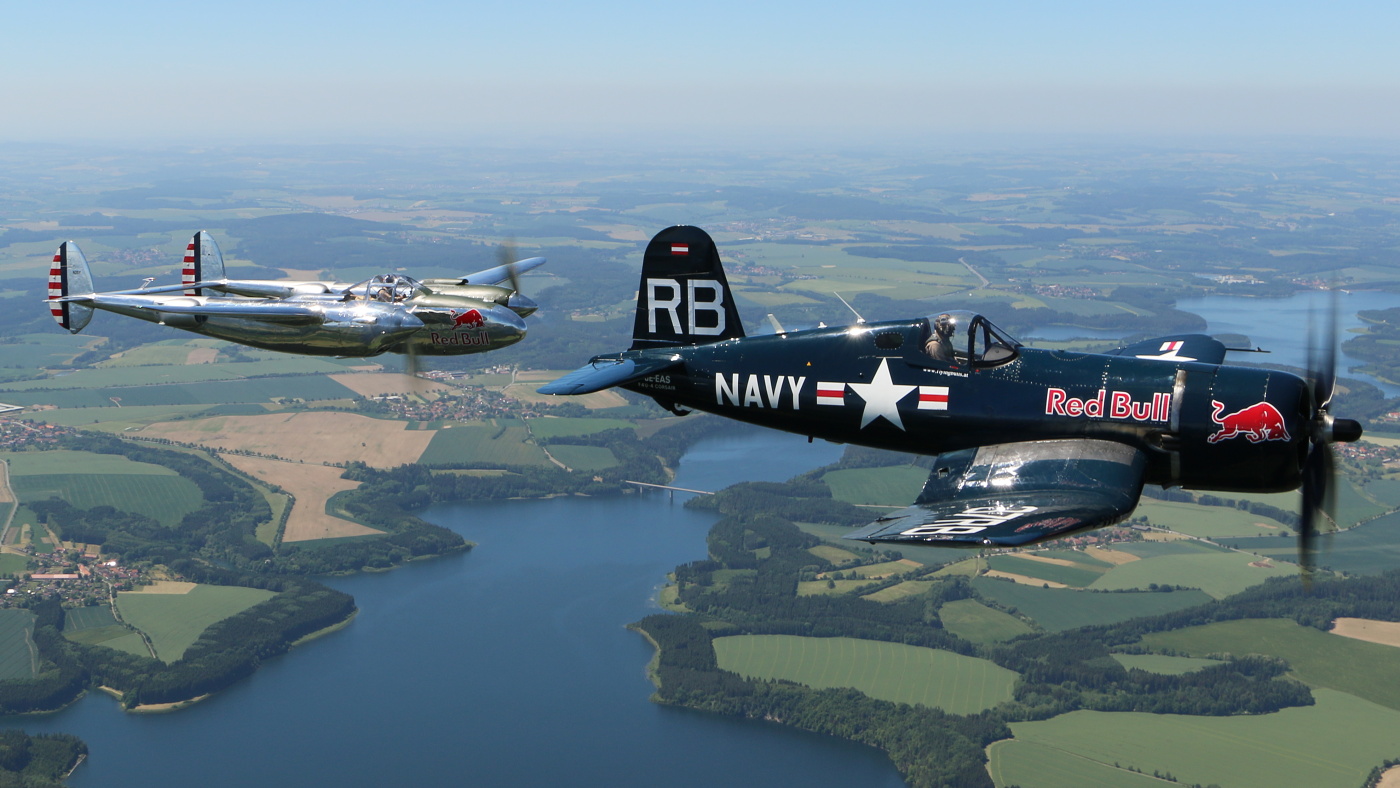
<point>69,275</point>
<point>684,298</point>
<point>203,263</point>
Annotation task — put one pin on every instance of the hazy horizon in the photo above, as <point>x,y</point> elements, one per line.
<point>803,75</point>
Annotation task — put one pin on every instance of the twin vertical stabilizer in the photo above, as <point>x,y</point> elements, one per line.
<point>203,263</point>
<point>69,275</point>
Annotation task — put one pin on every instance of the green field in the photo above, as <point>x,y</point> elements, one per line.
<point>1333,744</point>
<point>109,377</point>
<point>1319,659</point>
<point>1032,765</point>
<point>896,486</point>
<point>218,392</point>
<point>972,620</point>
<point>1219,574</point>
<point>560,427</point>
<point>498,441</point>
<point>1207,521</point>
<point>87,479</point>
<point>1364,550</point>
<point>12,565</point>
<point>62,461</point>
<point>18,655</point>
<point>115,419</point>
<point>96,626</point>
<point>900,591</point>
<point>76,619</point>
<point>827,587</point>
<point>1159,549</point>
<point>174,621</point>
<point>1058,609</point>
<point>1160,663</point>
<point>584,458</point>
<point>889,671</point>
<point>166,499</point>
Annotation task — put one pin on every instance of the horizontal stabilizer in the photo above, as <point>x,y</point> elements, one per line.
<point>1176,347</point>
<point>601,374</point>
<point>1015,494</point>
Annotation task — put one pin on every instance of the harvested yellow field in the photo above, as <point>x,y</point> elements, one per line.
<point>1390,778</point>
<point>202,355</point>
<point>1162,536</point>
<point>1116,557</point>
<point>1045,559</point>
<point>378,384</point>
<point>1386,633</point>
<point>1023,580</point>
<point>312,485</point>
<point>166,587</point>
<point>320,437</point>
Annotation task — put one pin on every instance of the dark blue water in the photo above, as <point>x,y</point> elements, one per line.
<point>506,666</point>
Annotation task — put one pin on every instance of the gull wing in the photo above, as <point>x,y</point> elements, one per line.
<point>603,373</point>
<point>1014,494</point>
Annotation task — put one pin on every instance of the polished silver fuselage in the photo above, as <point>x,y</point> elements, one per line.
<point>330,326</point>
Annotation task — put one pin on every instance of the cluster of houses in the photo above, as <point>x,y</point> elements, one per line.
<point>78,575</point>
<point>468,404</point>
<point>19,434</point>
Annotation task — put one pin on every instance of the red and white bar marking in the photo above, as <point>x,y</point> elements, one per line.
<point>831,393</point>
<point>933,398</point>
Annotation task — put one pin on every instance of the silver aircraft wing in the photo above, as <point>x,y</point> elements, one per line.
<point>1013,494</point>
<point>494,276</point>
<point>270,288</point>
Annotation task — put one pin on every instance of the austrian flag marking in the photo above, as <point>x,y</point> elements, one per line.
<point>933,398</point>
<point>680,249</point>
<point>831,393</point>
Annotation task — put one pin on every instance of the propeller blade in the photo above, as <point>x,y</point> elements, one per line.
<point>506,254</point>
<point>1319,505</point>
<point>1322,354</point>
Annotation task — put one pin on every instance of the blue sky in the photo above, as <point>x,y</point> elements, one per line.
<point>816,71</point>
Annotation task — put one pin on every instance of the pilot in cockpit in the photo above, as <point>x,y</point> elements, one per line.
<point>940,340</point>
<point>960,337</point>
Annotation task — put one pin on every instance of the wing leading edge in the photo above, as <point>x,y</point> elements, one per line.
<point>602,373</point>
<point>1013,494</point>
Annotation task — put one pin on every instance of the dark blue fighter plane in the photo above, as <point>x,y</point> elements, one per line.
<point>1030,444</point>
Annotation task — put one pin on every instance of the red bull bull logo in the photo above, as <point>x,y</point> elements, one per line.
<point>471,318</point>
<point>1258,422</point>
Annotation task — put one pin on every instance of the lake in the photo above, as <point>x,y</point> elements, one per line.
<point>507,666</point>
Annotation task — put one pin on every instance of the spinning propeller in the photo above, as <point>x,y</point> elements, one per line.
<point>1319,468</point>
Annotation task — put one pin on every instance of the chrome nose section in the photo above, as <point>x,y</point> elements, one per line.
<point>505,326</point>
<point>522,305</point>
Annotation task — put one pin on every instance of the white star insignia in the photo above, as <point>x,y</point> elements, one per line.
<point>881,396</point>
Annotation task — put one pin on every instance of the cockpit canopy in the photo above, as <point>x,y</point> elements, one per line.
<point>387,288</point>
<point>960,337</point>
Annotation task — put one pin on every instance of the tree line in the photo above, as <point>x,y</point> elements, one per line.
<point>1059,672</point>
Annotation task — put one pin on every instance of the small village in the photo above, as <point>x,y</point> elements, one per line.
<point>77,574</point>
